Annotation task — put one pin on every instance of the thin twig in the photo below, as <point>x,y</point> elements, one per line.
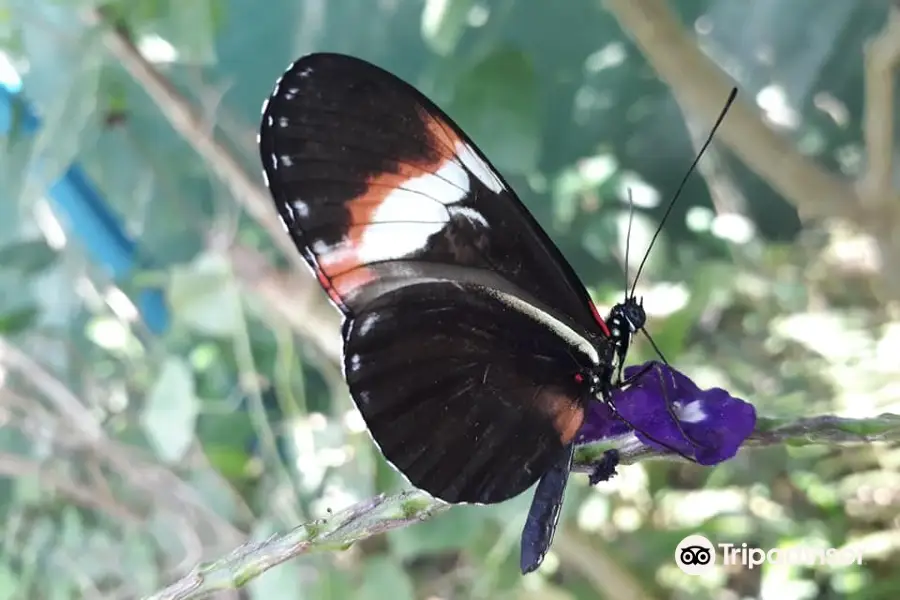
<point>189,122</point>
<point>882,60</point>
<point>67,403</point>
<point>701,88</point>
<point>594,561</point>
<point>17,466</point>
<point>383,513</point>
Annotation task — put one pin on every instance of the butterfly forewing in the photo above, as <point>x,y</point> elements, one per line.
<point>380,189</point>
<point>464,325</point>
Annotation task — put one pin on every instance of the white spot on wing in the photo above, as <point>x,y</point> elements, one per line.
<point>390,241</point>
<point>561,329</point>
<point>320,248</point>
<point>301,208</point>
<point>410,214</point>
<point>478,167</point>
<point>471,214</point>
<point>367,323</point>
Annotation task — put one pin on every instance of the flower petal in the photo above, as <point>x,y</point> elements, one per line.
<point>600,424</point>
<point>711,424</point>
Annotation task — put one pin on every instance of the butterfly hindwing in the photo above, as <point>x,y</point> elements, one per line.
<point>380,189</point>
<point>465,410</point>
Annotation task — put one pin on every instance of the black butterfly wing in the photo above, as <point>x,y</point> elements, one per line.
<point>380,189</point>
<point>470,396</point>
<point>464,325</point>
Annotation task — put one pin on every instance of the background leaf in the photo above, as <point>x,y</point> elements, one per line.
<point>496,102</point>
<point>28,256</point>
<point>384,578</point>
<point>204,297</point>
<point>170,412</point>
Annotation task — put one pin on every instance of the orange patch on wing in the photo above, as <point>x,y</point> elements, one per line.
<point>328,287</point>
<point>565,411</point>
<point>344,267</point>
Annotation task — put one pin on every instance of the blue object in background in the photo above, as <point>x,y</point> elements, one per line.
<point>88,215</point>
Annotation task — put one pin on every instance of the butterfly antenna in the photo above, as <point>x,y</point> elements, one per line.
<point>693,166</point>
<point>628,239</point>
<point>655,347</point>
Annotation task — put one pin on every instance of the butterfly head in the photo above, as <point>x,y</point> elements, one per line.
<point>625,319</point>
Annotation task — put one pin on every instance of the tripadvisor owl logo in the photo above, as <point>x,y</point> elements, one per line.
<point>695,555</point>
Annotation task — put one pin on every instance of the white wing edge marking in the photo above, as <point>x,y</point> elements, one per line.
<point>561,329</point>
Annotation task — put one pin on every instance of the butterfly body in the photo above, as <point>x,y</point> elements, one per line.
<point>624,321</point>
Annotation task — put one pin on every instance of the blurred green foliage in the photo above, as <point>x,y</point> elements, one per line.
<point>232,425</point>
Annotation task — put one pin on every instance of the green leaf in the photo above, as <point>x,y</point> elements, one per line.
<point>66,119</point>
<point>496,102</point>
<point>204,296</point>
<point>170,413</point>
<point>671,334</point>
<point>30,256</point>
<point>230,462</point>
<point>18,320</point>
<point>444,22</point>
<point>190,28</point>
<point>9,583</point>
<point>383,578</point>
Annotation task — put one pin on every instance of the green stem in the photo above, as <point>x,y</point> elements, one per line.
<point>384,513</point>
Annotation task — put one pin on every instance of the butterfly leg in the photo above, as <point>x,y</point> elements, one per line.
<point>605,468</point>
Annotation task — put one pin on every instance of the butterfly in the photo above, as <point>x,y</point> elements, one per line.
<point>470,346</point>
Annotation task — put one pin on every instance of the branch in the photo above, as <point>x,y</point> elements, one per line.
<point>882,60</point>
<point>80,495</point>
<point>66,403</point>
<point>595,562</point>
<point>187,121</point>
<point>701,88</point>
<point>384,513</point>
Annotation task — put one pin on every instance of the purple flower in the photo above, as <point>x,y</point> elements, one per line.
<point>711,424</point>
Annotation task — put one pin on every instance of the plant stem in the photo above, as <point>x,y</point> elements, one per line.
<point>384,513</point>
